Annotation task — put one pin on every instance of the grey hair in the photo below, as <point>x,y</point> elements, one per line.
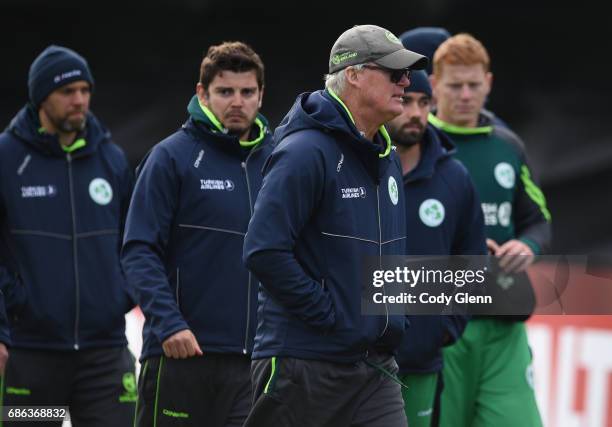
<point>337,81</point>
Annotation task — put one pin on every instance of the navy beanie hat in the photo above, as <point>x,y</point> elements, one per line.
<point>55,67</point>
<point>425,40</point>
<point>419,82</point>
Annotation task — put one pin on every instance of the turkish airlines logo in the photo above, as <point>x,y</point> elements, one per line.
<point>217,184</point>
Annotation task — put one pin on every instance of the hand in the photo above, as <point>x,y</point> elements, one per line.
<point>4,355</point>
<point>181,345</point>
<point>492,246</point>
<point>515,256</point>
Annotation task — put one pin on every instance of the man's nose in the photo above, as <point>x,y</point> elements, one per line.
<point>237,100</point>
<point>404,81</point>
<point>78,97</point>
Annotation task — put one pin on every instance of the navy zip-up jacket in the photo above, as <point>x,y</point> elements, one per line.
<point>329,199</point>
<point>453,225</point>
<point>61,216</point>
<point>184,234</point>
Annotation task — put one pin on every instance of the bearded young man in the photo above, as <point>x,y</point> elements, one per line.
<point>443,218</point>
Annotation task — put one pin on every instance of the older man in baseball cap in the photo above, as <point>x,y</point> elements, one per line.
<point>330,198</point>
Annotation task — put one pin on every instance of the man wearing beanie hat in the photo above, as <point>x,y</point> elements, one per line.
<point>330,197</point>
<point>55,67</point>
<point>64,190</point>
<point>443,218</point>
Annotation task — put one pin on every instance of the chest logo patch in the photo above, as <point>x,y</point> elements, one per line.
<point>100,191</point>
<point>431,212</point>
<point>353,192</point>
<point>34,191</point>
<point>505,175</point>
<point>217,184</point>
<point>393,190</point>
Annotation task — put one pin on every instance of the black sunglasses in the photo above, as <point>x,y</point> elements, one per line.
<point>394,75</point>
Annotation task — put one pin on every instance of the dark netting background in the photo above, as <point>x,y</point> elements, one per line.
<point>551,67</point>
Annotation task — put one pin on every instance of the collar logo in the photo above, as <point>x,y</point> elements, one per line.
<point>100,191</point>
<point>340,163</point>
<point>198,160</point>
<point>24,164</point>
<point>393,190</point>
<point>431,212</point>
<point>505,175</point>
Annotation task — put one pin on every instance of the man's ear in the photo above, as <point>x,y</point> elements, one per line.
<point>434,84</point>
<point>489,81</point>
<point>432,80</point>
<point>202,94</point>
<point>261,92</point>
<point>352,76</point>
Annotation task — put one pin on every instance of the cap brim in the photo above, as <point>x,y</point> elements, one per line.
<point>402,59</point>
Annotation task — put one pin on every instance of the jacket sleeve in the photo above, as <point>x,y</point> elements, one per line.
<point>7,282</point>
<point>147,231</point>
<point>470,238</point>
<point>454,326</point>
<point>127,187</point>
<point>125,184</point>
<point>531,215</point>
<point>292,187</point>
<point>5,336</point>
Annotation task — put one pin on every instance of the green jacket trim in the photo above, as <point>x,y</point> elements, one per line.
<point>382,129</point>
<point>79,143</point>
<point>272,374</point>
<point>210,118</point>
<point>461,130</point>
<point>534,192</point>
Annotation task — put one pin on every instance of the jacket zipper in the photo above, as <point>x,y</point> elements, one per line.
<point>75,258</point>
<point>380,255</point>
<point>248,319</point>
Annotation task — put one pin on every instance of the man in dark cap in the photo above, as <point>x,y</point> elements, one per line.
<point>331,197</point>
<point>425,40</point>
<point>64,190</point>
<point>442,218</point>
